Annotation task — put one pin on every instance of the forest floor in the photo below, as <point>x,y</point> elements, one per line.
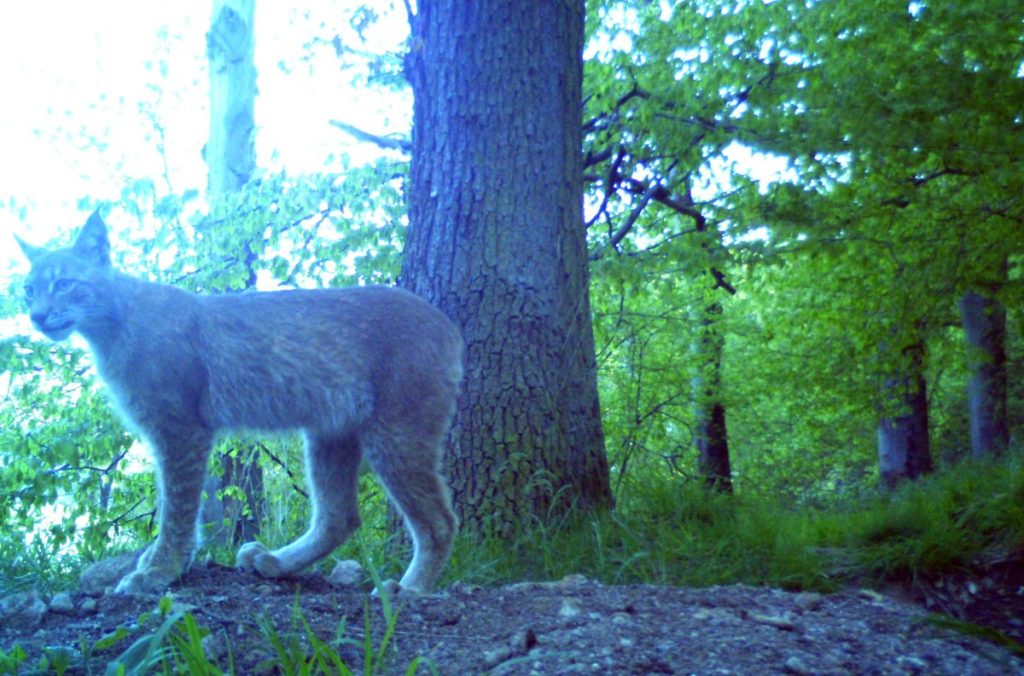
<point>571,626</point>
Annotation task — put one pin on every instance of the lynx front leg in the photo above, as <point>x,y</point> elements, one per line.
<point>332,468</point>
<point>181,467</point>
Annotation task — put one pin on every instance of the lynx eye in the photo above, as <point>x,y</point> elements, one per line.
<point>30,293</point>
<point>63,285</point>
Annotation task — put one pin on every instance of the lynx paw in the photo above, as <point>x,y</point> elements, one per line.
<point>254,556</point>
<point>392,588</point>
<point>145,582</point>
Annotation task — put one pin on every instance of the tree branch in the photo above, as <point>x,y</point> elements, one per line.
<point>624,229</point>
<point>388,143</point>
<point>721,282</point>
<point>280,463</point>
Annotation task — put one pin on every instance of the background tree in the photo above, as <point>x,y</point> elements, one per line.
<point>234,500</point>
<point>984,323</point>
<point>495,240</point>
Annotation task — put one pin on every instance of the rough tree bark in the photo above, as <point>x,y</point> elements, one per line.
<point>496,240</point>
<point>904,448</point>
<point>230,158</point>
<point>984,322</point>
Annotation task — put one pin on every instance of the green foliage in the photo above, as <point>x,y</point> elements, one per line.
<point>171,641</point>
<point>61,452</point>
<point>300,651</point>
<point>884,179</point>
<point>946,524</point>
<point>977,631</point>
<point>12,660</point>
<point>671,532</point>
<point>678,533</point>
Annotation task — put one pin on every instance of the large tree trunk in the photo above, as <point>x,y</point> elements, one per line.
<point>984,322</point>
<point>230,159</point>
<point>711,438</point>
<point>496,241</point>
<point>904,449</point>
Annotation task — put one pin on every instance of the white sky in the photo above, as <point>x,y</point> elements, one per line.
<point>79,73</point>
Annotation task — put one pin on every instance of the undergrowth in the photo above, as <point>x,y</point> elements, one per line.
<point>668,532</point>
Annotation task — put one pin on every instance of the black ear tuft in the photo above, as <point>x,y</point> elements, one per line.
<point>92,241</point>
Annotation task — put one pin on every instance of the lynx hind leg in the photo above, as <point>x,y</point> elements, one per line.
<point>332,470</point>
<point>408,467</point>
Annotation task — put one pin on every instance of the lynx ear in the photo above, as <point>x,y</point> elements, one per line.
<point>31,252</point>
<point>92,241</point>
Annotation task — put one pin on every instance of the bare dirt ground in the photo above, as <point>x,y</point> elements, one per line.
<point>570,626</point>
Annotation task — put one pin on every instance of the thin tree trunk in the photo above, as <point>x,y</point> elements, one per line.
<point>496,240</point>
<point>230,159</point>
<point>904,448</point>
<point>984,322</point>
<point>230,154</point>
<point>711,437</point>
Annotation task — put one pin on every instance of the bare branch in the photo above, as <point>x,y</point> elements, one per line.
<point>596,158</point>
<point>389,143</point>
<point>280,463</point>
<point>624,229</point>
<point>721,282</point>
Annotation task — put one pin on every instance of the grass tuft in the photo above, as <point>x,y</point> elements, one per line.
<point>676,532</point>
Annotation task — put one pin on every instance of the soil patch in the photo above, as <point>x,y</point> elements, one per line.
<point>571,626</point>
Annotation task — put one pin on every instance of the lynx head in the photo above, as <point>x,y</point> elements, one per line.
<point>64,290</point>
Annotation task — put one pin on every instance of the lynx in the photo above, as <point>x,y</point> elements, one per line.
<point>367,373</point>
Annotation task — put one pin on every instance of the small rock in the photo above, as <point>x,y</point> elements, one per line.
<point>809,601</point>
<point>347,574</point>
<point>213,647</point>
<point>870,595</point>
<point>89,606</point>
<point>621,618</point>
<point>106,573</point>
<point>264,589</point>
<point>24,608</point>
<point>62,603</point>
<point>915,663</point>
<point>574,580</point>
<point>571,607</point>
<point>493,658</point>
<point>777,621</point>
<point>795,665</point>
